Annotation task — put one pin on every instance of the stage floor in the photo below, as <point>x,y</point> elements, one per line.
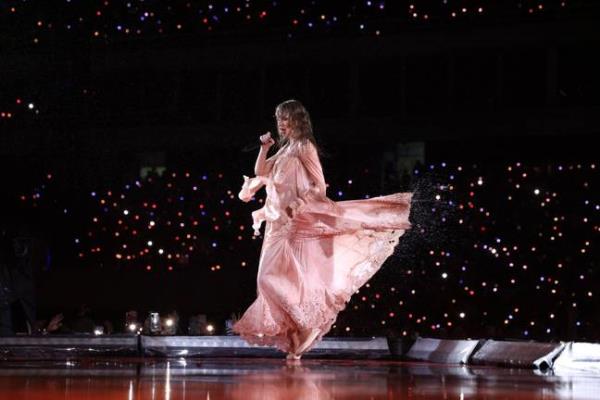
<point>268,378</point>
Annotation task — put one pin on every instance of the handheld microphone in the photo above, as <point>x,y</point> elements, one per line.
<point>250,147</point>
<point>253,146</point>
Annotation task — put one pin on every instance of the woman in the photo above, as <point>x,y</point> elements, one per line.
<point>316,252</point>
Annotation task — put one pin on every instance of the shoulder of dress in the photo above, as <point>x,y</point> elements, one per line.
<point>302,147</point>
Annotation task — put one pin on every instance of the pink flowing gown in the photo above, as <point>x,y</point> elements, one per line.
<point>313,261</point>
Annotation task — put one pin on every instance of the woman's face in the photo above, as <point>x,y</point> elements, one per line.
<point>283,125</point>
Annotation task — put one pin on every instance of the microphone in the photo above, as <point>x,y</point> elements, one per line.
<point>253,146</point>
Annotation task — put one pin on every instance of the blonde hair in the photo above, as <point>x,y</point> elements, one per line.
<point>299,121</point>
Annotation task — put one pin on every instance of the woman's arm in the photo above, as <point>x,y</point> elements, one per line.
<point>263,165</point>
<point>311,163</point>
<point>316,189</point>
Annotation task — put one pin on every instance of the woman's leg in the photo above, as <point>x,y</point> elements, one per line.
<point>293,355</point>
<point>307,338</point>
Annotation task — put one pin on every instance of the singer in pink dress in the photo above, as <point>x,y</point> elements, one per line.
<point>316,252</point>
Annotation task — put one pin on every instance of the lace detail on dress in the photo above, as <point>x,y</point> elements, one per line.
<point>321,309</point>
<point>383,248</point>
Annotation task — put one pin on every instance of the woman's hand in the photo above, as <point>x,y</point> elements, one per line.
<point>262,166</point>
<point>266,141</point>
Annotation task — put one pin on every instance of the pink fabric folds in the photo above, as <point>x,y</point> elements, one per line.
<point>313,260</point>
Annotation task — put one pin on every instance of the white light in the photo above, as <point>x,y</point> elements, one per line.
<point>169,322</point>
<point>31,106</point>
<point>125,212</point>
<point>536,191</point>
<point>150,243</point>
<point>132,327</point>
<point>444,275</point>
<point>462,315</point>
<point>210,328</point>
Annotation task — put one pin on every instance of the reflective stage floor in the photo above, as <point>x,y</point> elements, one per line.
<point>268,378</point>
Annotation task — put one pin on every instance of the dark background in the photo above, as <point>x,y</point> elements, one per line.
<point>515,83</point>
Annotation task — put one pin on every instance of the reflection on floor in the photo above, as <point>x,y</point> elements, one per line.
<point>251,378</point>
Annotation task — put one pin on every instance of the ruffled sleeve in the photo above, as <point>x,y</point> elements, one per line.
<point>311,186</point>
<point>250,187</point>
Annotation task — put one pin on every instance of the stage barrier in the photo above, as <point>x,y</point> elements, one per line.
<point>66,347</point>
<point>576,356</point>
<point>517,354</point>
<point>579,357</point>
<point>442,351</point>
<point>234,346</point>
